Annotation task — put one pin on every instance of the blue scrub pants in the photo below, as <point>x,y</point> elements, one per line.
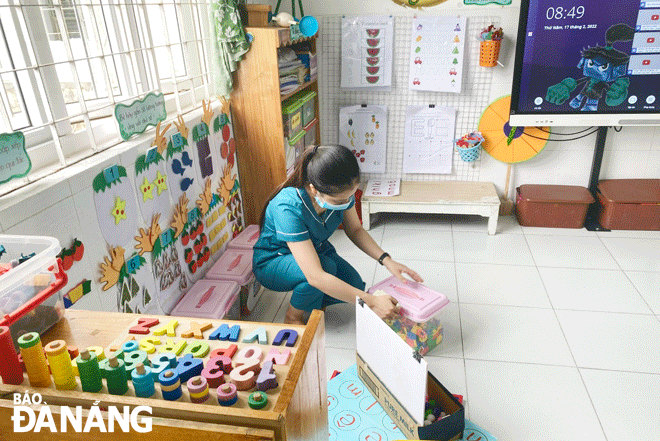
<point>283,274</point>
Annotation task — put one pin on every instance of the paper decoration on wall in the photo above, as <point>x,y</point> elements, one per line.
<point>228,185</point>
<point>509,144</point>
<point>429,139</point>
<point>14,160</point>
<point>169,277</point>
<point>419,3</point>
<point>436,54</point>
<point>140,114</point>
<point>72,254</point>
<point>111,268</point>
<point>133,280</point>
<point>367,52</point>
<point>71,297</point>
<point>363,129</point>
<point>225,138</point>
<point>180,216</point>
<point>116,206</point>
<point>201,134</point>
<point>180,169</point>
<point>206,198</point>
<point>146,240</point>
<point>485,2</point>
<point>152,182</point>
<point>195,246</point>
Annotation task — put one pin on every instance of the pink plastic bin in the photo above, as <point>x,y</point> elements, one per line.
<point>213,299</point>
<point>236,265</point>
<point>421,312</point>
<point>247,238</point>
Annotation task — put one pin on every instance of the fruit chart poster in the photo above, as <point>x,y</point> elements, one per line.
<point>363,129</point>
<point>367,52</point>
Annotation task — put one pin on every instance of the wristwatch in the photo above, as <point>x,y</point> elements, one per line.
<point>381,258</point>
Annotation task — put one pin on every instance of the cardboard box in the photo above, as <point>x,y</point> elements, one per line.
<point>400,381</point>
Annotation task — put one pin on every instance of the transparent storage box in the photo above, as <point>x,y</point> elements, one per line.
<point>212,299</point>
<point>236,265</point>
<point>421,312</point>
<point>30,296</point>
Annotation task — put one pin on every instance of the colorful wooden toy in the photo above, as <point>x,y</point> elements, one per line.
<point>188,367</point>
<point>224,332</point>
<point>228,352</point>
<point>73,351</point>
<point>130,346</point>
<point>258,334</point>
<point>197,349</point>
<point>10,368</point>
<point>169,328</point>
<point>100,355</point>
<point>196,330</point>
<point>198,389</point>
<point>227,395</point>
<point>34,358</point>
<point>257,400</point>
<point>88,369</point>
<point>267,379</point>
<point>244,375</point>
<point>143,381</point>
<point>133,359</point>
<point>144,323</point>
<point>162,362</point>
<point>289,335</point>
<point>60,365</point>
<point>116,377</point>
<point>170,385</point>
<point>148,344</point>
<point>215,370</point>
<point>278,357</point>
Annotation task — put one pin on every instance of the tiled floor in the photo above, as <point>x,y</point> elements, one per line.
<point>551,334</point>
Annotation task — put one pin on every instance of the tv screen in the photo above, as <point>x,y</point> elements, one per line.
<point>587,63</point>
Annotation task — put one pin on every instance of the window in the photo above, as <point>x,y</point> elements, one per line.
<point>65,64</point>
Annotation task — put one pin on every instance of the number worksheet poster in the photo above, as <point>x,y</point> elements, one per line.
<point>363,129</point>
<point>436,54</point>
<point>429,139</point>
<point>366,51</point>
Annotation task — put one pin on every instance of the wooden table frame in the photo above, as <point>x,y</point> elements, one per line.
<point>444,197</point>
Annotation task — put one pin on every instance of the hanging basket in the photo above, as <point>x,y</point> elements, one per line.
<point>489,52</point>
<point>469,154</point>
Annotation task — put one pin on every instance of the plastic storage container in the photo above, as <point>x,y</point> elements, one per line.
<point>30,296</point>
<point>629,204</point>
<point>292,119</point>
<point>310,133</point>
<point>236,265</point>
<point>247,238</point>
<point>307,99</point>
<point>420,317</point>
<point>297,144</point>
<point>554,206</point>
<point>213,299</point>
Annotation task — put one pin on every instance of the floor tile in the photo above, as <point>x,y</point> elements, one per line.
<point>266,308</point>
<point>647,285</point>
<point>592,290</point>
<point>602,340</point>
<point>365,266</point>
<point>630,234</point>
<point>523,402</point>
<point>337,359</point>
<point>451,345</point>
<point>500,285</point>
<point>508,333</point>
<point>406,221</point>
<point>570,252</point>
<point>281,313</point>
<point>419,245</point>
<point>479,224</point>
<point>635,254</point>
<point>639,418</point>
<point>501,248</point>
<point>344,246</point>
<point>340,326</point>
<point>438,276</point>
<point>541,231</point>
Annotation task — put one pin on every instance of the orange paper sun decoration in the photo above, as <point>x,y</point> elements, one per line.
<point>509,144</point>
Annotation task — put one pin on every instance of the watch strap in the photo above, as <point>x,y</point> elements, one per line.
<point>382,257</point>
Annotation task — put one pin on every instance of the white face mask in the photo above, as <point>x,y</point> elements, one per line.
<point>323,204</point>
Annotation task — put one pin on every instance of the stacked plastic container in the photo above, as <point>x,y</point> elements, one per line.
<point>421,312</point>
<point>298,117</point>
<point>213,299</point>
<point>31,278</point>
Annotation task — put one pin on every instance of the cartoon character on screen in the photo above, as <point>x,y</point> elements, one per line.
<point>604,69</point>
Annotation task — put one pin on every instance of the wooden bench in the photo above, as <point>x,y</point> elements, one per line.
<point>443,197</point>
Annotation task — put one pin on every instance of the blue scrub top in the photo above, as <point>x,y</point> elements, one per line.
<point>291,217</point>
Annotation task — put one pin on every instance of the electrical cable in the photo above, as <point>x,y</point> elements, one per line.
<point>560,140</point>
<point>565,134</point>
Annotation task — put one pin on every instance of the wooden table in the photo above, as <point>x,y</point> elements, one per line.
<point>300,412</point>
<point>443,197</point>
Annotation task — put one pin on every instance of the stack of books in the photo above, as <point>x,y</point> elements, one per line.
<point>292,70</point>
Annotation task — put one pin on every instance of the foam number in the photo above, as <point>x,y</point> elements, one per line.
<point>215,370</point>
<point>111,174</point>
<point>188,367</point>
<point>162,362</point>
<point>246,367</point>
<point>133,264</point>
<point>177,140</point>
<point>166,237</point>
<point>152,155</point>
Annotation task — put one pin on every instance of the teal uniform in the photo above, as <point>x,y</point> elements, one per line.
<point>291,217</point>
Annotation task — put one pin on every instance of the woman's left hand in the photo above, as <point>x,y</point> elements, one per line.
<point>398,270</point>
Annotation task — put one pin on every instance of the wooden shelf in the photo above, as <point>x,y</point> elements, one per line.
<point>299,88</point>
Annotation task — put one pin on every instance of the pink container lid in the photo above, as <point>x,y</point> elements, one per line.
<point>247,238</point>
<point>234,264</point>
<point>417,302</point>
<point>208,299</point>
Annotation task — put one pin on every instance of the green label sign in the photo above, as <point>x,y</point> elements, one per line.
<point>141,114</point>
<point>14,160</point>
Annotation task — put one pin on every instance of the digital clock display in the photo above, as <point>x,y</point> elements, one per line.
<point>560,13</point>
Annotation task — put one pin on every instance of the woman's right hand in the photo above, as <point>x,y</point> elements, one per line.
<point>384,306</point>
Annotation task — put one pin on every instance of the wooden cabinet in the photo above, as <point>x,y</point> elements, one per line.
<point>257,117</point>
<point>299,412</point>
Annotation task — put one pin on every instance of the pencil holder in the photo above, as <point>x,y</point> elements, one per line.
<point>489,51</point>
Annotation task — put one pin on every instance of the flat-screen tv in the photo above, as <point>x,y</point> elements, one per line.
<point>587,63</point>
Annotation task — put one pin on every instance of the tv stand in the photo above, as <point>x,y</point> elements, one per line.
<point>591,223</point>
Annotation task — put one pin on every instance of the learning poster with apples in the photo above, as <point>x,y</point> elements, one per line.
<point>363,129</point>
<point>436,54</point>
